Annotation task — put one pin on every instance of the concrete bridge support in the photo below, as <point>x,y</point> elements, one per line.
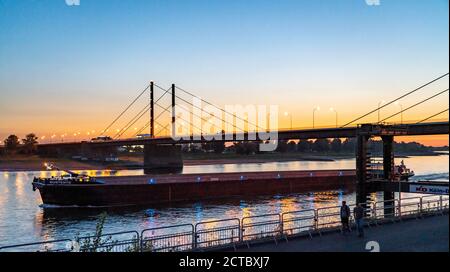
<point>362,158</point>
<point>361,168</point>
<point>162,158</point>
<point>365,185</point>
<point>388,169</point>
<point>388,156</point>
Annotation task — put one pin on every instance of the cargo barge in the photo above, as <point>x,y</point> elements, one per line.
<point>82,191</point>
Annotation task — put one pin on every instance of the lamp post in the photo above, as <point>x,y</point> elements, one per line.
<point>401,111</point>
<point>314,115</point>
<point>335,111</point>
<point>379,105</point>
<point>290,116</point>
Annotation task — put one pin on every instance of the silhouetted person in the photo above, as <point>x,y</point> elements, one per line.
<point>345,215</point>
<point>358,213</point>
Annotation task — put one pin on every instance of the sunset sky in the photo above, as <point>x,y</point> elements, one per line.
<point>68,70</point>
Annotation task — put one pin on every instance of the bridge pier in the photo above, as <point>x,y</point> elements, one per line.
<point>388,156</point>
<point>388,170</point>
<point>162,158</point>
<point>362,159</point>
<point>366,184</point>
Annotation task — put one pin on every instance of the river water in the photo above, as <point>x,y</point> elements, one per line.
<point>24,219</point>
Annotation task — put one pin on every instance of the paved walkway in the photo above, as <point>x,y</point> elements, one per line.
<point>430,234</point>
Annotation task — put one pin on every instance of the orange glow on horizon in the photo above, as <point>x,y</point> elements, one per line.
<point>433,140</point>
<point>82,127</point>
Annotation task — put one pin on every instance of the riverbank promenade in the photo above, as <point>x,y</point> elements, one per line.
<point>430,234</point>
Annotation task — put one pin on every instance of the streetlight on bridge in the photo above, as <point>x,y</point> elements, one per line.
<point>314,115</point>
<point>401,111</point>
<point>335,111</point>
<point>290,115</point>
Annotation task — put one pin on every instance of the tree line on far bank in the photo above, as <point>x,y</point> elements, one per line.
<point>304,146</point>
<point>343,146</point>
<point>13,145</point>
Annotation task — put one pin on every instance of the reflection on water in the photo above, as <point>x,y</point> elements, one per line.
<point>23,220</point>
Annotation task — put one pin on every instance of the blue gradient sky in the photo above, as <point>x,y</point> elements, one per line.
<point>66,69</point>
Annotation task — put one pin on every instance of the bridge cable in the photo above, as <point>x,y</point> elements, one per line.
<point>156,102</point>
<point>217,107</point>
<point>201,130</point>
<point>142,129</point>
<point>145,109</point>
<point>128,107</point>
<point>189,122</point>
<point>146,126</point>
<point>125,130</point>
<point>203,119</point>
<point>162,129</point>
<point>434,115</point>
<point>395,100</point>
<point>157,117</point>
<point>165,127</point>
<point>165,92</point>
<point>140,114</point>
<point>164,110</point>
<point>222,120</point>
<point>417,104</point>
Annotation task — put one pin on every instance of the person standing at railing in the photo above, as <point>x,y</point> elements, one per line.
<point>358,214</point>
<point>345,215</point>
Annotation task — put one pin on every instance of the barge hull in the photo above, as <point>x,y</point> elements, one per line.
<point>115,193</point>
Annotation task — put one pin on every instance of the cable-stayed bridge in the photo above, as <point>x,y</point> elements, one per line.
<point>164,151</point>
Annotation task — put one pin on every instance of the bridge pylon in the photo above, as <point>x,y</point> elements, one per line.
<point>152,110</point>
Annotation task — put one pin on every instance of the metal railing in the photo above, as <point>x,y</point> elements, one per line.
<point>168,239</point>
<point>410,206</point>
<point>328,217</point>
<point>445,202</point>
<point>126,241</point>
<point>63,245</point>
<point>299,222</point>
<point>259,227</point>
<point>385,210</point>
<point>232,232</point>
<point>217,233</point>
<point>431,205</point>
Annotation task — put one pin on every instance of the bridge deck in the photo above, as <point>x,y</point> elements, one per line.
<point>432,128</point>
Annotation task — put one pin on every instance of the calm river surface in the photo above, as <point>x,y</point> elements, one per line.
<point>23,218</point>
